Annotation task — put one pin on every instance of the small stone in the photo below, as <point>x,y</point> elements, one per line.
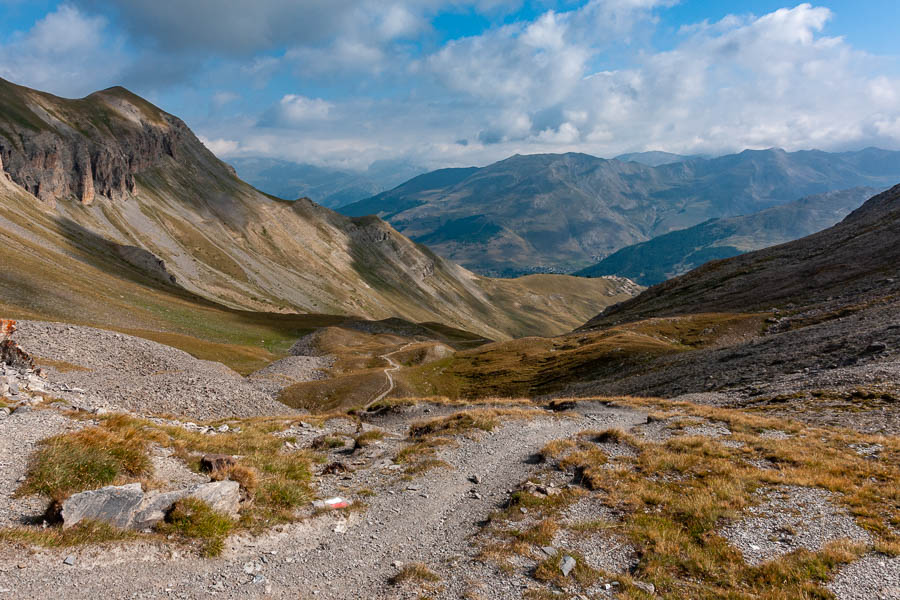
<point>549,550</point>
<point>69,560</point>
<point>523,510</point>
<point>258,579</point>
<point>222,429</point>
<point>475,479</point>
<point>876,347</point>
<point>397,564</point>
<point>568,563</point>
<point>645,587</point>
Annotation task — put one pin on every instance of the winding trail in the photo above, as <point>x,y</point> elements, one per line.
<point>395,366</point>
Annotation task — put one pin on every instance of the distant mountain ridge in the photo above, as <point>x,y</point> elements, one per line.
<point>678,252</point>
<point>564,212</point>
<point>326,186</point>
<point>654,158</point>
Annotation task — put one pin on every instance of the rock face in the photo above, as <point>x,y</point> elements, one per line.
<point>114,505</point>
<point>10,353</point>
<point>128,507</point>
<point>54,160</point>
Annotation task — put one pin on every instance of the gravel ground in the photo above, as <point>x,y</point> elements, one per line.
<point>290,370</point>
<point>430,520</point>
<point>141,376</point>
<point>873,577</point>
<point>790,518</point>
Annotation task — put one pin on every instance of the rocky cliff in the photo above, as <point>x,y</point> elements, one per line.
<point>95,147</point>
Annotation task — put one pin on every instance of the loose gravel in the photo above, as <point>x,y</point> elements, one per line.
<point>790,518</point>
<point>137,375</point>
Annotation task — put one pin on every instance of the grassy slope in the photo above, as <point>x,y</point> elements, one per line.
<point>531,366</point>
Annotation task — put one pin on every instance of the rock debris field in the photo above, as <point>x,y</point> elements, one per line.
<point>399,518</point>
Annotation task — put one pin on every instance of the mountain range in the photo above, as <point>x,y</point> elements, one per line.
<point>326,186</point>
<point>675,253</point>
<point>108,200</point>
<point>564,212</point>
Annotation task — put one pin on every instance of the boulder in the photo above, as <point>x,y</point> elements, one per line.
<point>154,509</point>
<point>128,507</point>
<point>115,505</point>
<point>221,496</point>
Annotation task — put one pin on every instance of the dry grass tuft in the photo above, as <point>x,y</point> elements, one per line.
<point>85,532</point>
<point>246,476</point>
<point>484,419</point>
<point>367,439</point>
<point>415,572</point>
<point>676,495</point>
<point>84,460</point>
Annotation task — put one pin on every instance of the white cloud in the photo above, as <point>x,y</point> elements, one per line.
<point>61,53</point>
<point>221,147</point>
<point>295,110</point>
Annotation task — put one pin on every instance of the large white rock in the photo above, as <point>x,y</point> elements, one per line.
<point>128,507</point>
<point>115,505</point>
<point>222,496</point>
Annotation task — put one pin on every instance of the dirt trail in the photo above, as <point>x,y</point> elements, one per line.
<point>395,366</point>
<point>431,523</point>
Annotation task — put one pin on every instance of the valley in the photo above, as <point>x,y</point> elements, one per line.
<point>209,391</point>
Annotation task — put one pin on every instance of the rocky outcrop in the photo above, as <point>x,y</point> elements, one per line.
<point>97,150</point>
<point>10,353</point>
<point>146,261</point>
<point>129,507</point>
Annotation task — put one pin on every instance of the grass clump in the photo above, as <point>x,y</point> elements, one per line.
<point>246,476</point>
<point>83,460</point>
<point>483,419</point>
<point>194,519</point>
<point>85,532</point>
<point>422,449</point>
<point>415,572</point>
<point>328,442</point>
<point>367,438</point>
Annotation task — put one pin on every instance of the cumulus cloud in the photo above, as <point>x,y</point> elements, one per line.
<point>61,51</point>
<point>295,110</point>
<point>741,82</point>
<point>221,147</point>
<point>349,82</point>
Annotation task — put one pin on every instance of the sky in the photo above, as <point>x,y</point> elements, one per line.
<point>436,83</point>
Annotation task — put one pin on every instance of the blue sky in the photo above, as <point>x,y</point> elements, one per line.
<point>438,83</point>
